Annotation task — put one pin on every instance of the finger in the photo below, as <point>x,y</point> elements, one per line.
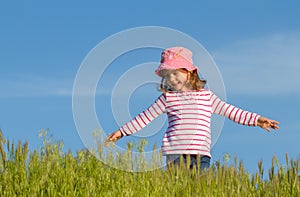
<point>113,137</point>
<point>266,126</point>
<point>268,129</point>
<point>274,123</point>
<point>275,127</point>
<point>109,137</point>
<point>107,141</point>
<point>269,121</point>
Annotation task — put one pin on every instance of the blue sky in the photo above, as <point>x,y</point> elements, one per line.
<point>256,45</point>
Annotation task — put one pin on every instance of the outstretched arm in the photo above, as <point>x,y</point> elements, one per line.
<point>140,121</point>
<point>267,124</point>
<point>240,116</point>
<point>235,114</point>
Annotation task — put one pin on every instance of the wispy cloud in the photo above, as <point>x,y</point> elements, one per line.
<point>28,85</point>
<point>32,85</point>
<point>264,65</point>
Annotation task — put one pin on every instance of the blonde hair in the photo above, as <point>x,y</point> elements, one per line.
<point>195,83</point>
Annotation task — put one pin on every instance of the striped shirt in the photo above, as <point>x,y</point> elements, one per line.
<point>189,114</point>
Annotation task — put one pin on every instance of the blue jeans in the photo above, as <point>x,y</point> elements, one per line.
<point>175,160</point>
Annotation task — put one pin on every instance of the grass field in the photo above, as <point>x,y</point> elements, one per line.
<point>51,172</point>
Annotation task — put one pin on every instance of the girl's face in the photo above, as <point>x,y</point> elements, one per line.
<point>177,79</point>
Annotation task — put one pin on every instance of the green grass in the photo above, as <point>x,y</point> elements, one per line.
<point>51,172</point>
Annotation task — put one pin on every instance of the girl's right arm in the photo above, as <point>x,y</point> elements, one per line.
<point>141,120</point>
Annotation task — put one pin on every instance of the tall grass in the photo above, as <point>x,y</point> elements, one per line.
<point>51,172</point>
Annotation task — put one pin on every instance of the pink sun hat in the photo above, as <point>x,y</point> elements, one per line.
<point>176,58</point>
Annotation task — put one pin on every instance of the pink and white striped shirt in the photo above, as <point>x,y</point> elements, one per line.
<point>189,114</point>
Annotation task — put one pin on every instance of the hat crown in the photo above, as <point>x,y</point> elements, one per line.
<point>176,52</point>
<point>176,58</point>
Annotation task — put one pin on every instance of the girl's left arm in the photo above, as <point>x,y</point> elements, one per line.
<point>241,116</point>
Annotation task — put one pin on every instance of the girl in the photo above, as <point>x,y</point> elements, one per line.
<point>189,108</point>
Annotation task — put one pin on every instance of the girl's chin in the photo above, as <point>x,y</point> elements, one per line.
<point>177,88</point>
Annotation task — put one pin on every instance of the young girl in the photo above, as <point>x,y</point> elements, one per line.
<point>189,108</point>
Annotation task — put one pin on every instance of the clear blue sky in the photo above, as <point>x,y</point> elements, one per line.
<point>256,45</point>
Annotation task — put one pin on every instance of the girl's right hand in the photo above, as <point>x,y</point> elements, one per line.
<point>113,137</point>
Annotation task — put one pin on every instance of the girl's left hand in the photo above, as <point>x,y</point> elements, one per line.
<point>266,123</point>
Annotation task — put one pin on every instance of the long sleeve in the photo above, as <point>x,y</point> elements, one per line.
<point>144,118</point>
<point>233,113</point>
